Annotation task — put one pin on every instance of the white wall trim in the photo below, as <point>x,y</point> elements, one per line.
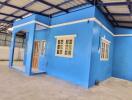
<point>67,23</point>
<point>123,35</point>
<point>98,22</point>
<point>73,22</point>
<point>42,24</point>
<point>24,24</point>
<point>64,36</point>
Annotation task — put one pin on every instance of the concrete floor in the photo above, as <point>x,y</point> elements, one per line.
<point>18,63</point>
<point>16,86</point>
<point>20,66</point>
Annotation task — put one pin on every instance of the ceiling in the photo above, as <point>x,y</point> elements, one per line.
<point>11,10</point>
<point>118,12</point>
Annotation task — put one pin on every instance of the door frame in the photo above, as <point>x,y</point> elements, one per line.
<point>36,69</point>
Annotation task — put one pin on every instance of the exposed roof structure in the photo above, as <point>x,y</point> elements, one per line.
<point>118,12</point>
<point>11,10</point>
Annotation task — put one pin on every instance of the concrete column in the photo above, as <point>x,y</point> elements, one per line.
<point>30,46</point>
<point>12,46</point>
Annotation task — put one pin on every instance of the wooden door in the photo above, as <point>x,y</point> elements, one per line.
<point>36,55</point>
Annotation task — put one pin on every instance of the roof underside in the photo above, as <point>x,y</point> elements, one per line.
<point>118,12</point>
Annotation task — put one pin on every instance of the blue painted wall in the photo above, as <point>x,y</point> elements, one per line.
<point>103,20</point>
<point>24,20</point>
<point>123,31</point>
<point>30,30</point>
<point>100,70</point>
<point>74,69</point>
<point>33,17</point>
<point>42,19</point>
<point>122,64</point>
<point>73,16</point>
<point>25,48</point>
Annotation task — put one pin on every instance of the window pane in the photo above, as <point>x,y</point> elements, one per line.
<point>60,47</point>
<point>61,41</point>
<point>60,51</point>
<point>68,47</point>
<point>104,50</point>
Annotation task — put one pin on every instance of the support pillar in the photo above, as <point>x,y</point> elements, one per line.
<point>30,46</point>
<point>12,46</point>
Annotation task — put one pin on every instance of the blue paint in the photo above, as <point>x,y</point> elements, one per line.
<point>41,34</point>
<point>100,70</point>
<point>30,30</point>
<point>78,15</point>
<point>42,19</point>
<point>102,18</point>
<point>85,67</point>
<point>24,20</point>
<point>122,64</point>
<point>25,49</point>
<point>123,31</point>
<point>74,69</point>
<point>11,53</point>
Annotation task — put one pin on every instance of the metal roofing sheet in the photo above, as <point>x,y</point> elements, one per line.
<point>116,11</point>
<point>37,6</point>
<point>19,3</point>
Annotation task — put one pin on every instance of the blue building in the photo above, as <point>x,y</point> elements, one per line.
<point>81,47</point>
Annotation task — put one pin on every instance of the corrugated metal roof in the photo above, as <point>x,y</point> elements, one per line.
<point>11,10</point>
<point>118,12</point>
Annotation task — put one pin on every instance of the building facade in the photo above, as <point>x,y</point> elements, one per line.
<point>81,47</point>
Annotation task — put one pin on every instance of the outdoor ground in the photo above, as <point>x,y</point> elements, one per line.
<point>15,86</point>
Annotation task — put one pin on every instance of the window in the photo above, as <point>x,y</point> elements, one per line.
<point>64,46</point>
<point>43,47</point>
<point>104,55</point>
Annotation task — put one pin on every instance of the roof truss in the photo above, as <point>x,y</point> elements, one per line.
<point>9,18</point>
<point>57,6</point>
<point>119,18</point>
